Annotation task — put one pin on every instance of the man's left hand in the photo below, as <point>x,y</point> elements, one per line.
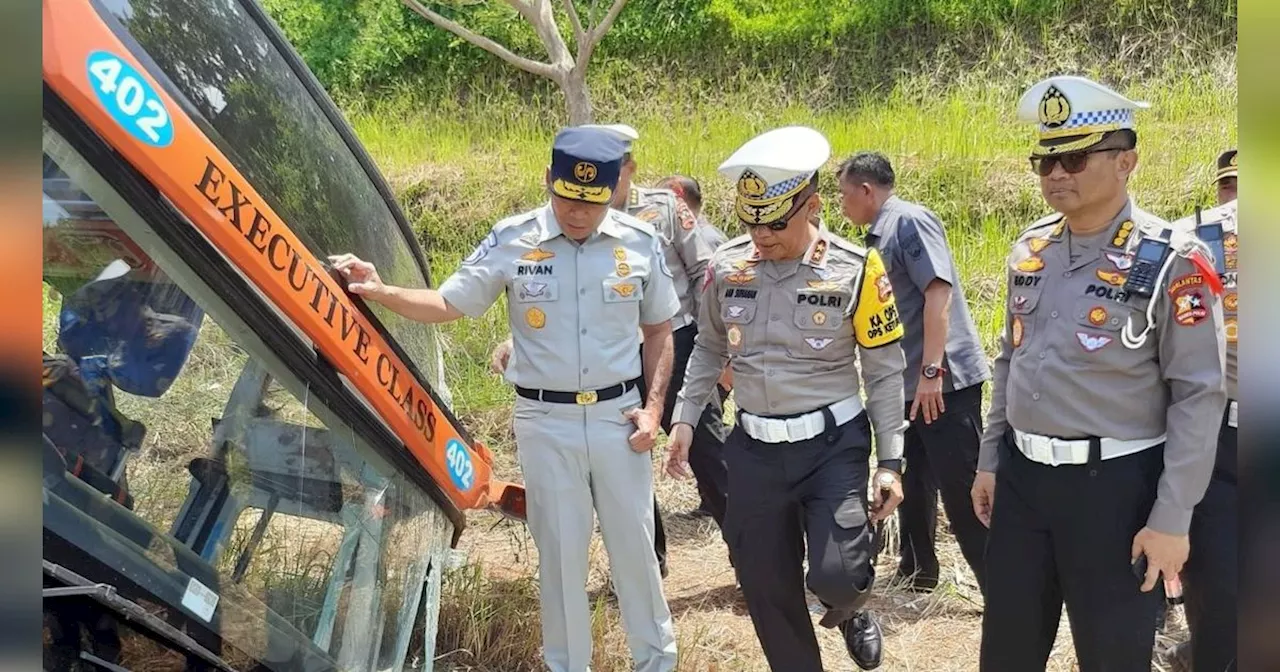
<point>646,435</point>
<point>1166,554</point>
<point>885,500</point>
<point>929,399</point>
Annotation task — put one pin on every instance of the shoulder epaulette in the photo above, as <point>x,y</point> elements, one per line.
<point>847,246</point>
<point>1040,224</point>
<point>634,222</point>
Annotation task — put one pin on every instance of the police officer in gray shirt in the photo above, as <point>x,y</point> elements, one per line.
<point>794,310</point>
<point>1211,575</point>
<point>1107,397</point>
<point>946,367</point>
<point>582,281</point>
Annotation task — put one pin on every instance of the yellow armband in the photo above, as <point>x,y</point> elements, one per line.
<point>875,318</point>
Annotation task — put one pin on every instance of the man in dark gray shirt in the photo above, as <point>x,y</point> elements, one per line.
<point>945,367</point>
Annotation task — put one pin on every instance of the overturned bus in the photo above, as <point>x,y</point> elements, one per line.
<point>245,467</point>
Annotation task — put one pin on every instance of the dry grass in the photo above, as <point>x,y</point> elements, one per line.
<point>489,615</point>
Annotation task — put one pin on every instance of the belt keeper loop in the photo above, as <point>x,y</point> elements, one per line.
<point>829,420</point>
<point>1095,454</point>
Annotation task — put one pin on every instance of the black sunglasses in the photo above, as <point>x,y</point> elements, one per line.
<point>1073,162</point>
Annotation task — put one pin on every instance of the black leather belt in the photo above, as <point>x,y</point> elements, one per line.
<point>581,398</point>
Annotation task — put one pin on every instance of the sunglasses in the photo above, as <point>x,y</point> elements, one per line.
<point>1072,163</point>
<point>779,225</point>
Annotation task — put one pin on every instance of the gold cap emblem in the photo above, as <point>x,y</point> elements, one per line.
<point>1054,108</point>
<point>751,185</point>
<point>585,171</point>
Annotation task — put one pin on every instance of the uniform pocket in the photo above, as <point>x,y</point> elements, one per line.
<point>822,333</point>
<point>1101,314</point>
<point>623,290</point>
<point>851,514</point>
<point>535,290</point>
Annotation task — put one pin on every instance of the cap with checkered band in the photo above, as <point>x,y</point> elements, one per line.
<point>772,170</point>
<point>1073,114</point>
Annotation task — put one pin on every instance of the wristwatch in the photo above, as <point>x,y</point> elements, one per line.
<point>932,371</point>
<point>895,466</point>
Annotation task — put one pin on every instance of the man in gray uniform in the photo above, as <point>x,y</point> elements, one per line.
<point>1210,577</point>
<point>945,367</point>
<point>793,308</point>
<point>686,252</point>
<point>581,281</point>
<point>1107,397</point>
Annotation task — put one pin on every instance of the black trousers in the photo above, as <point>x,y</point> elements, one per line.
<point>814,492</point>
<point>706,454</point>
<point>1209,579</point>
<point>942,457</point>
<point>1066,533</point>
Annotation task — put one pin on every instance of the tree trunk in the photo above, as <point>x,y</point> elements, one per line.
<point>577,97</point>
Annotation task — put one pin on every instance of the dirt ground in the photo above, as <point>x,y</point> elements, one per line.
<point>938,632</point>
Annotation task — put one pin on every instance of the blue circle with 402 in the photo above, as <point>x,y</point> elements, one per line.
<point>129,98</point>
<point>458,460</point>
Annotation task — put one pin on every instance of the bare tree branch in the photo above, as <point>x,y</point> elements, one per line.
<point>598,32</point>
<point>579,35</point>
<point>526,64</point>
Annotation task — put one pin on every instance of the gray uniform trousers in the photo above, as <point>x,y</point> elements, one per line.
<point>812,491</point>
<point>573,458</point>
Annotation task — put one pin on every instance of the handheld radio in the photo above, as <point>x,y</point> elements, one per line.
<point>1147,262</point>
<point>1211,234</point>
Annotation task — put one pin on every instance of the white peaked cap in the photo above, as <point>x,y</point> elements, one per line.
<point>623,132</point>
<point>779,155</point>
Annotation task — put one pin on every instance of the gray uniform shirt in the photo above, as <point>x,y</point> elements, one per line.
<point>794,333</point>
<point>1064,372</point>
<point>687,253</point>
<point>575,310</point>
<point>1227,213</point>
<point>913,244</point>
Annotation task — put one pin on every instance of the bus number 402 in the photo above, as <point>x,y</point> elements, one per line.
<point>125,93</point>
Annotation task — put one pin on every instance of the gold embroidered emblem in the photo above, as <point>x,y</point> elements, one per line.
<point>740,277</point>
<point>1232,330</point>
<point>1037,245</point>
<point>1030,264</point>
<point>819,318</point>
<point>1111,277</point>
<point>537,255</point>
<point>751,185</point>
<point>585,171</point>
<point>623,269</point>
<point>1230,301</point>
<point>620,253</point>
<point>534,317</point>
<point>819,253</point>
<point>1054,108</point>
<point>624,290</point>
<point>1122,234</point>
<point>1098,316</point>
<point>1017,330</point>
<point>824,285</point>
<point>734,334</point>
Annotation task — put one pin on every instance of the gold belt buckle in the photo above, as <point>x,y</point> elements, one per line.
<point>587,398</point>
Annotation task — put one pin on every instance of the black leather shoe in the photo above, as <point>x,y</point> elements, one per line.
<point>918,581</point>
<point>863,639</point>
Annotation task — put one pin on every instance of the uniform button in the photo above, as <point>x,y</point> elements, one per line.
<point>1115,320</point>
<point>1067,274</point>
<point>773,318</point>
<point>1053,314</point>
<point>582,290</point>
<point>584,330</point>
<point>773,404</point>
<point>585,370</point>
<point>770,374</point>
<point>1036,396</point>
<point>1042,355</point>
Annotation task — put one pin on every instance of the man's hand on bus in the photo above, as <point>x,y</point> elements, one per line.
<point>362,277</point>
<point>501,357</point>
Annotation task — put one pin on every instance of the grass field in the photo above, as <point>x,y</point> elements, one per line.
<point>458,168</point>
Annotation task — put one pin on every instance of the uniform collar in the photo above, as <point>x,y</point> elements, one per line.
<point>550,228</point>
<point>878,224</point>
<point>816,255</point>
